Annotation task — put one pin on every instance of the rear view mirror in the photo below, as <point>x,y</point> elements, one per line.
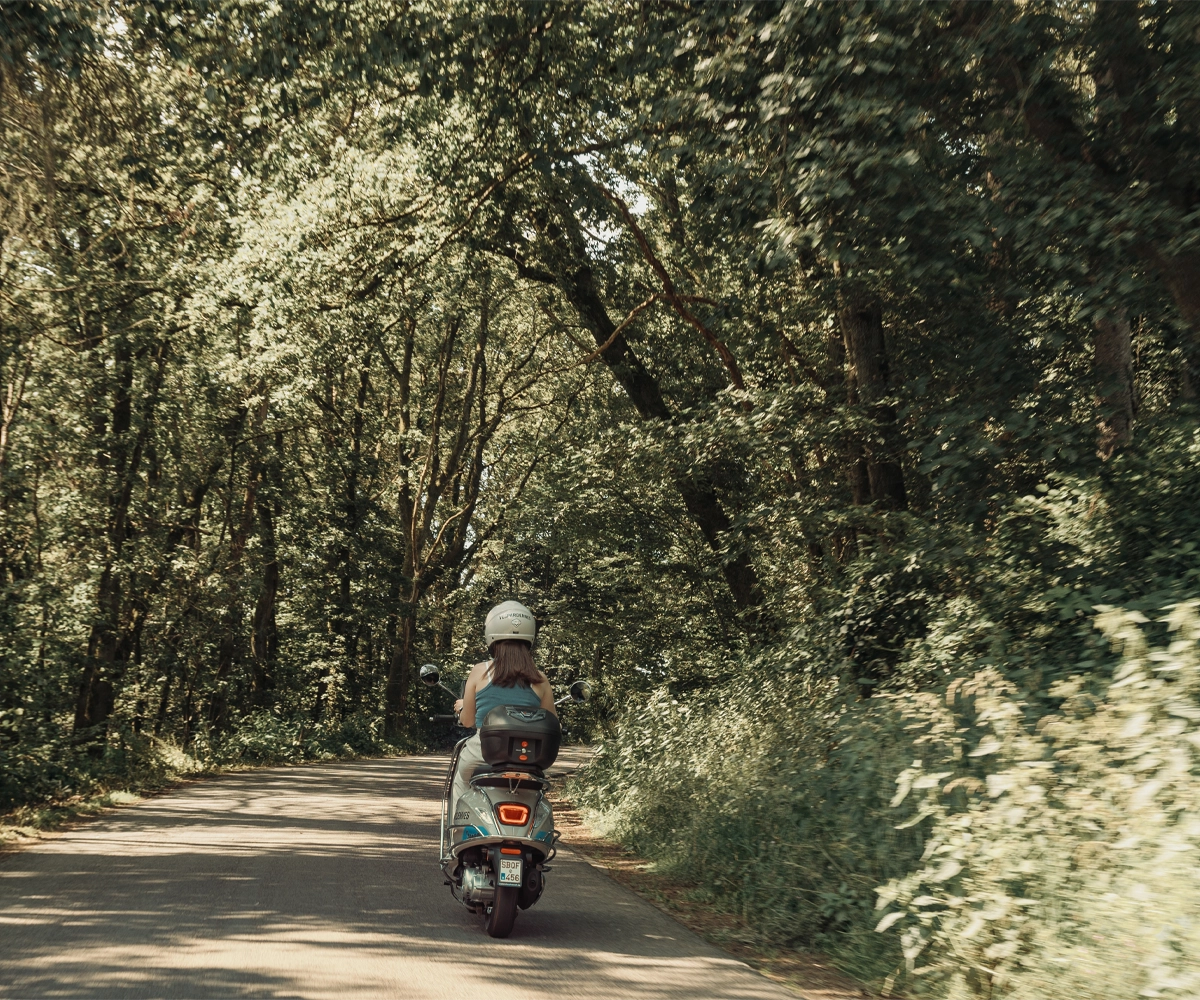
<point>430,675</point>
<point>581,691</point>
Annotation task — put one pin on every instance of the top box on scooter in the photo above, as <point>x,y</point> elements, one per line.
<point>520,737</point>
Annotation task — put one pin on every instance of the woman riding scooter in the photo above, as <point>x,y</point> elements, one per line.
<point>508,678</point>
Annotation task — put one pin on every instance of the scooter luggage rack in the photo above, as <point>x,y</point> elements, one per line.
<point>514,778</point>
<point>555,837</point>
<point>458,749</point>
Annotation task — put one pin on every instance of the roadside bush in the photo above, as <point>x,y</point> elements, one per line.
<point>267,738</point>
<point>1069,869</point>
<point>773,796</point>
<point>60,768</point>
<point>1031,850</point>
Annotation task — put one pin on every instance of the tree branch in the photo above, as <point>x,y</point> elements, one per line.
<point>676,300</point>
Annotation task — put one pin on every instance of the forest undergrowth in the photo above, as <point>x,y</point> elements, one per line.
<point>1018,854</point>
<point>43,785</point>
<point>1018,815</point>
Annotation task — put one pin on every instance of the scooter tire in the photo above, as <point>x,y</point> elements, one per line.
<point>503,914</point>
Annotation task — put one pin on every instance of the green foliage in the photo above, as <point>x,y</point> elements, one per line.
<point>68,770</point>
<point>265,738</point>
<point>1058,857</point>
<point>802,365</point>
<point>64,770</point>
<point>772,794</point>
<point>1014,850</point>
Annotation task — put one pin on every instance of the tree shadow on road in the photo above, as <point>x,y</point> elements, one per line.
<point>319,881</point>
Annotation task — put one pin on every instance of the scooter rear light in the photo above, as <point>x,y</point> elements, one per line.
<point>513,813</point>
<point>510,850</point>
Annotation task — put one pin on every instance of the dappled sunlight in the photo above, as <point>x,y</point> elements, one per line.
<point>345,965</point>
<point>319,882</point>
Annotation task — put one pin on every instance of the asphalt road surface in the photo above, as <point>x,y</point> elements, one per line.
<point>321,881</point>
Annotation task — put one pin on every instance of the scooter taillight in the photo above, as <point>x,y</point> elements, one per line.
<point>513,813</point>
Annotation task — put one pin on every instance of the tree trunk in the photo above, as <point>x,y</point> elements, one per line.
<point>856,457</point>
<point>866,352</point>
<point>107,651</point>
<point>228,647</point>
<point>94,702</point>
<point>164,701</point>
<point>264,635</point>
<point>396,693</point>
<point>188,708</point>
<point>218,705</point>
<point>1182,275</point>
<point>699,496</point>
<point>1113,370</point>
<point>345,623</point>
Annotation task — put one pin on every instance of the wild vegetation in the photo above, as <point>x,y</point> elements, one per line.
<point>823,375</point>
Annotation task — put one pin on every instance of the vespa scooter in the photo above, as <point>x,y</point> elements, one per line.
<point>497,840</point>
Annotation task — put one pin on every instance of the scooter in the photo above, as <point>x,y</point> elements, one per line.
<point>497,840</point>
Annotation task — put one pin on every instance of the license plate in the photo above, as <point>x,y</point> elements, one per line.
<point>510,871</point>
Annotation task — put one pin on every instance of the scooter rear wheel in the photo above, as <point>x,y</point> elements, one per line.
<point>503,914</point>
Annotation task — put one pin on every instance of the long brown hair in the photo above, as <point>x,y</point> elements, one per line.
<point>512,664</point>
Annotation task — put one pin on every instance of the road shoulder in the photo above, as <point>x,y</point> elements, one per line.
<point>808,975</point>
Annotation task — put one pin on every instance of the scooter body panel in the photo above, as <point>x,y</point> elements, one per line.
<point>478,850</point>
<point>476,822</point>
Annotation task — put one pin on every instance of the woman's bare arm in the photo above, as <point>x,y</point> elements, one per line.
<point>465,705</point>
<point>544,691</point>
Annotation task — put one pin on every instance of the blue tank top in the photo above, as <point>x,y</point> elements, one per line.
<point>489,696</point>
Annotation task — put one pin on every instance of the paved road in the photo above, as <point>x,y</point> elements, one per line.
<point>320,882</point>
